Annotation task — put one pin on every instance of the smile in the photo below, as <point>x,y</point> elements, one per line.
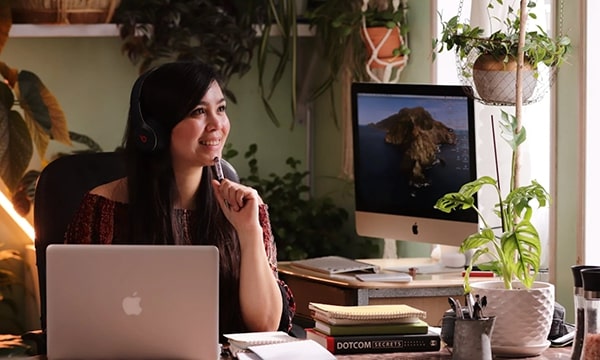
<point>210,142</point>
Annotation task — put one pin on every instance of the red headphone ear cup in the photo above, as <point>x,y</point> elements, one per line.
<point>148,136</point>
<point>147,132</point>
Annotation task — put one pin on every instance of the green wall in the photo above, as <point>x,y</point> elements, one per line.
<point>91,80</point>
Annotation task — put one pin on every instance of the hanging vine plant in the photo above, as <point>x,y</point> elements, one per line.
<point>488,63</point>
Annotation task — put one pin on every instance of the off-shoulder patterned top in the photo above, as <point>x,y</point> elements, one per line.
<point>103,221</point>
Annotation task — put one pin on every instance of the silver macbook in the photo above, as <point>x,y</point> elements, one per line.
<point>132,302</point>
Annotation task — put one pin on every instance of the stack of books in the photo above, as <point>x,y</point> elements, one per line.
<point>371,329</point>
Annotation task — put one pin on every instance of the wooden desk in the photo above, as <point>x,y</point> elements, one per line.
<point>444,354</point>
<point>426,292</point>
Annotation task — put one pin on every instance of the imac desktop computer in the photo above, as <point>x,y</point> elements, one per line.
<point>412,144</point>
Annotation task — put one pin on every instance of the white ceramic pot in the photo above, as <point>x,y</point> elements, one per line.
<point>523,316</point>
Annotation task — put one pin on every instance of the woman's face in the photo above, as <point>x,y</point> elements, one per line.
<point>201,135</point>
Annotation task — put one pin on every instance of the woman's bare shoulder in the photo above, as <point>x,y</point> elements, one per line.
<point>115,190</point>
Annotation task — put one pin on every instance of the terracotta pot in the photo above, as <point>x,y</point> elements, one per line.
<point>523,316</point>
<point>495,80</point>
<point>386,52</point>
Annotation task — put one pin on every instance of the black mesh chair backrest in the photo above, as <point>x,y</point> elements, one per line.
<point>59,191</point>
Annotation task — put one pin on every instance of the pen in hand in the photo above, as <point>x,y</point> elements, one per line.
<point>220,176</point>
<point>218,169</point>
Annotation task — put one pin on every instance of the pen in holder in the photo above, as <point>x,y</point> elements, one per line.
<point>472,338</point>
<point>448,320</point>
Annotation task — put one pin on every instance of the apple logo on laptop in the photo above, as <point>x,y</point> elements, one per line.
<point>131,304</point>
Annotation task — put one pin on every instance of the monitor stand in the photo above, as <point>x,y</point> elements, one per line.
<point>390,249</point>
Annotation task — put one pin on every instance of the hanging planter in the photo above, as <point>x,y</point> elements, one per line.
<point>383,32</point>
<point>542,53</point>
<point>382,45</point>
<point>495,80</point>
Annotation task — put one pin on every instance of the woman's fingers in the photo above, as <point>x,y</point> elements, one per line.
<point>235,195</point>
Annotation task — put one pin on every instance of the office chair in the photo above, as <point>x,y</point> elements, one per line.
<point>59,191</point>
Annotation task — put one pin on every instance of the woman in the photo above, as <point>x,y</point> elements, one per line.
<point>177,126</point>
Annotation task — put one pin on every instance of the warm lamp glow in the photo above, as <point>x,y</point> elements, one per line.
<point>21,221</point>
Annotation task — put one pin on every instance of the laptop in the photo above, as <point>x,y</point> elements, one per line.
<point>132,302</point>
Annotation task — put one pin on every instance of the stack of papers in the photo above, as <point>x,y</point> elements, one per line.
<point>274,345</point>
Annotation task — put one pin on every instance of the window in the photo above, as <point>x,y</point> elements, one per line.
<point>535,152</point>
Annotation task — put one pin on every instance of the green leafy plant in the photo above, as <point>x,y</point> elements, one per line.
<point>210,31</point>
<point>304,226</point>
<point>516,249</point>
<point>539,47</point>
<point>8,280</point>
<point>30,117</point>
<point>280,16</point>
<point>11,284</point>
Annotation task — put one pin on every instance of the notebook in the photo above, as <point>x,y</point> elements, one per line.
<point>365,314</point>
<point>240,342</point>
<point>132,302</point>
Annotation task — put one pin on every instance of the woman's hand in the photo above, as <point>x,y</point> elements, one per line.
<point>260,298</point>
<point>239,204</point>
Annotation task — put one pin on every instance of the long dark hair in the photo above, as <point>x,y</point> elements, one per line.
<point>168,94</point>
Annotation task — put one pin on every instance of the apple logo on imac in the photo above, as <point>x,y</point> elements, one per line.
<point>132,304</point>
<point>415,229</point>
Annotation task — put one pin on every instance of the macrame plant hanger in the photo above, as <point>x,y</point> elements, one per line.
<point>383,69</point>
<point>535,86</point>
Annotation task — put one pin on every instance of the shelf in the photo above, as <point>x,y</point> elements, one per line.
<point>93,30</point>
<point>63,30</point>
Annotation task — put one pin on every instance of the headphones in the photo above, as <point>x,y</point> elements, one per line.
<point>147,132</point>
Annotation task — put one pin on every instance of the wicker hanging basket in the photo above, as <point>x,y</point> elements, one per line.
<point>63,11</point>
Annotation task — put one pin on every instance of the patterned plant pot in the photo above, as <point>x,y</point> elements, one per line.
<point>523,316</point>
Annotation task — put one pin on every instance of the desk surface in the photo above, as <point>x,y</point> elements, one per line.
<point>444,354</point>
<point>450,279</point>
<point>428,292</point>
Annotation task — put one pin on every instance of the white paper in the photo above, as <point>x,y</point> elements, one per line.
<point>247,356</point>
<point>295,350</point>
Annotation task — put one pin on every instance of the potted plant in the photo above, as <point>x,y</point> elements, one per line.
<point>513,253</point>
<point>8,279</point>
<point>490,60</point>
<point>11,289</point>
<point>342,27</point>
<point>384,32</point>
<point>304,226</point>
<point>515,249</point>
<point>523,307</point>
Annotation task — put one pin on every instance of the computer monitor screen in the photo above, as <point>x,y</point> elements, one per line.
<point>412,144</point>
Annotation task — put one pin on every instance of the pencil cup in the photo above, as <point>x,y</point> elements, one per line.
<point>447,333</point>
<point>472,339</point>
